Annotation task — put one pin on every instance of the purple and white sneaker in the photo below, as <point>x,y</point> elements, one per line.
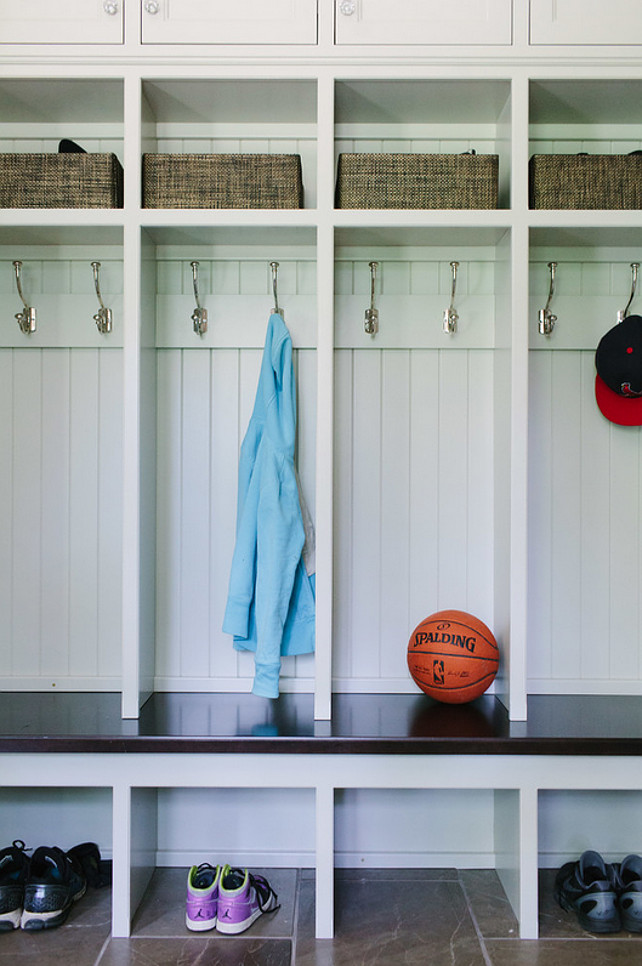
<point>242,898</point>
<point>202,897</point>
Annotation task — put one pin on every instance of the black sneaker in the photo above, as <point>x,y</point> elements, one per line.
<point>14,867</point>
<point>55,882</point>
<point>629,889</point>
<point>587,888</point>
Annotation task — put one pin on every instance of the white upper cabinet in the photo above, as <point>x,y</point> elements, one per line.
<point>239,22</point>
<point>586,22</point>
<point>423,22</point>
<point>72,22</point>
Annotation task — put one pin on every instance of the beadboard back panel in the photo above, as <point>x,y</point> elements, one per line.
<point>60,507</point>
<point>60,478</point>
<point>414,502</point>
<point>585,558</point>
<point>206,387</point>
<point>205,400</point>
<point>585,566</point>
<point>414,464</point>
<point>45,138</point>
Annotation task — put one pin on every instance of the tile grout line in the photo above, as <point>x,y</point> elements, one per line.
<point>103,948</point>
<point>295,917</point>
<point>480,937</point>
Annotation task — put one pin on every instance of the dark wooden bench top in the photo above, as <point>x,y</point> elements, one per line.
<point>361,724</point>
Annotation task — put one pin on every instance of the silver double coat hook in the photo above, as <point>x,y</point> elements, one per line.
<point>199,315</point>
<point>28,317</point>
<point>546,318</point>
<point>276,309</point>
<point>103,317</point>
<point>371,320</point>
<point>451,318</point>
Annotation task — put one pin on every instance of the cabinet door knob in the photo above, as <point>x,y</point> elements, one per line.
<point>347,7</point>
<point>152,6</point>
<point>110,7</point>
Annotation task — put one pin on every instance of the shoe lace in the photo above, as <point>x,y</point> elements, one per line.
<point>264,891</point>
<point>16,852</point>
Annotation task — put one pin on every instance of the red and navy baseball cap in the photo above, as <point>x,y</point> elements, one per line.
<point>618,384</point>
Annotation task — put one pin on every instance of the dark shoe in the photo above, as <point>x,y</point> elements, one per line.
<point>90,864</point>
<point>587,888</point>
<point>629,888</point>
<point>55,882</point>
<point>14,867</point>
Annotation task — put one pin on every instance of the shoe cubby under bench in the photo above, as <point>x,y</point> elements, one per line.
<point>267,784</point>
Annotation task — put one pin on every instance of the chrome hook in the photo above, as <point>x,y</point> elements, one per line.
<point>451,318</point>
<point>546,318</point>
<point>623,313</point>
<point>199,315</point>
<point>27,318</point>
<point>371,321</point>
<point>276,310</point>
<point>103,317</point>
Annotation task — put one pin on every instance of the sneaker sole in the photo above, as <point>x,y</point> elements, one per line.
<point>200,925</point>
<point>590,925</point>
<point>33,921</point>
<point>10,920</point>
<point>631,923</point>
<point>233,928</point>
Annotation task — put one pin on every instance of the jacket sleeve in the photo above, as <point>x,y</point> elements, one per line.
<point>280,538</point>
<point>243,571</point>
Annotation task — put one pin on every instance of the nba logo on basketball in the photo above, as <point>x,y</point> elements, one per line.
<point>438,672</point>
<point>453,656</point>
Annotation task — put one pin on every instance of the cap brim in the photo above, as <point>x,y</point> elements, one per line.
<point>623,410</point>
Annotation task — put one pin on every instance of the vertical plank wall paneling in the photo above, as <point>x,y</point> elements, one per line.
<point>61,509</point>
<point>414,502</point>
<point>206,393</point>
<point>414,447</point>
<point>60,485</point>
<point>414,463</point>
<point>585,556</point>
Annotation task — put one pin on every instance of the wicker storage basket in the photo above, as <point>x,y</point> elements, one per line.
<point>417,181</point>
<point>586,181</point>
<point>60,181</point>
<point>222,181</point>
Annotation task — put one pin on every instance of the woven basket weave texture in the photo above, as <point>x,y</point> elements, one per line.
<point>417,181</point>
<point>60,181</point>
<point>222,181</point>
<point>578,181</point>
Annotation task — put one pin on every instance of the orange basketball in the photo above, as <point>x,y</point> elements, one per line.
<point>453,656</point>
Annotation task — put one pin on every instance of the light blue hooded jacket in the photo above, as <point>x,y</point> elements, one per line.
<point>270,606</point>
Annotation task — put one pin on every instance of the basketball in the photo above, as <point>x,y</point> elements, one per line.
<point>453,656</point>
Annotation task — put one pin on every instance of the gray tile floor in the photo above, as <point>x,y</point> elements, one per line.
<point>400,918</point>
